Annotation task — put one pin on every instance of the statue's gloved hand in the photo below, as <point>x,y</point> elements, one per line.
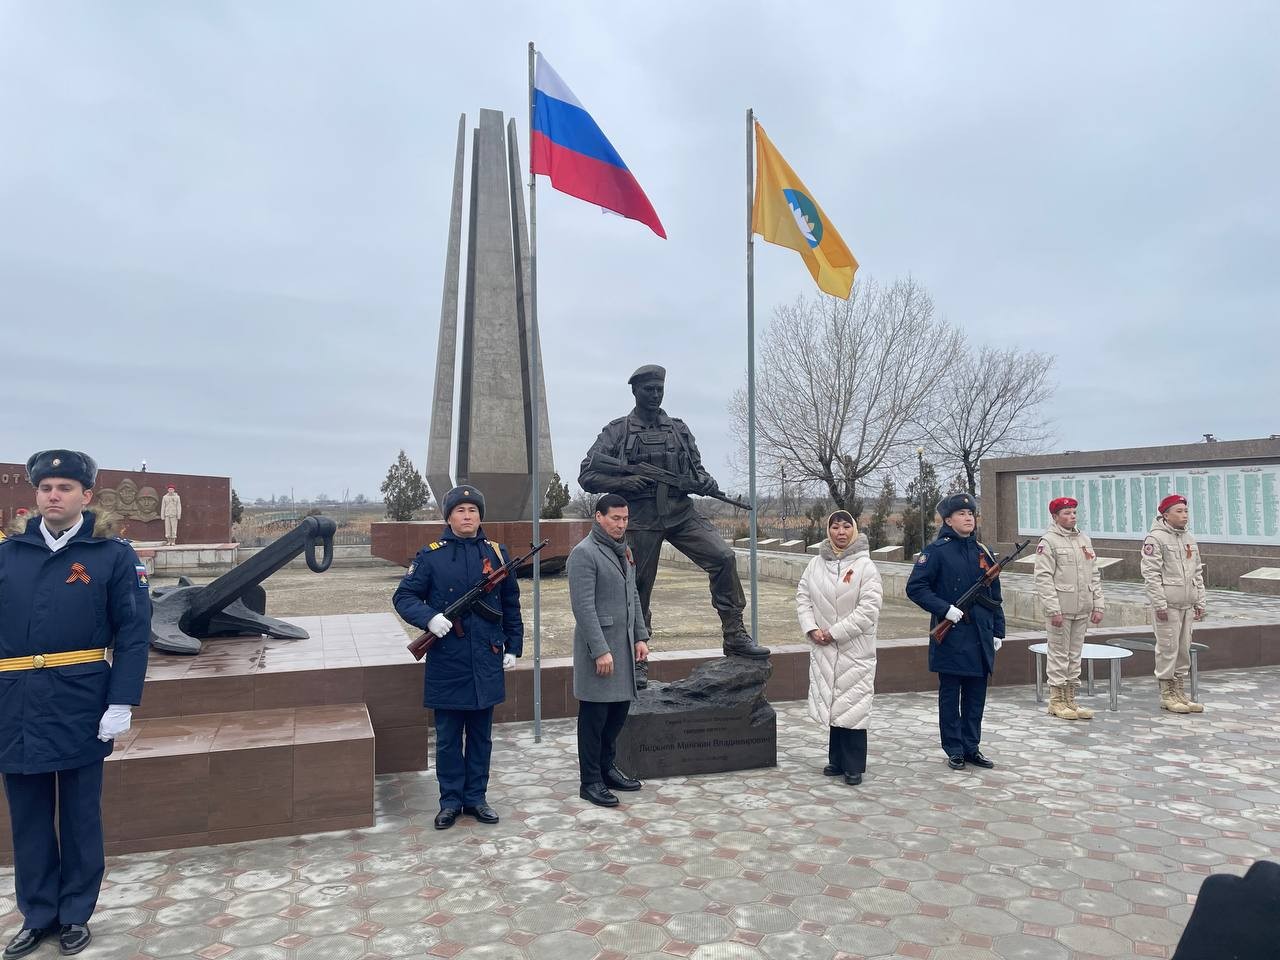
<point>626,485</point>
<point>439,624</point>
<point>508,661</point>
<point>115,721</point>
<point>707,486</point>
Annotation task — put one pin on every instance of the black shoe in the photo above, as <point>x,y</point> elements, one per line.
<point>597,794</point>
<point>978,760</point>
<point>955,763</point>
<point>482,812</point>
<point>642,674</point>
<point>831,770</point>
<point>447,817</point>
<point>24,941</point>
<point>853,779</point>
<point>73,938</point>
<point>743,645</point>
<point>617,780</point>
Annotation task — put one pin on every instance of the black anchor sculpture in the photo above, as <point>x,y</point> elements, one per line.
<point>235,604</point>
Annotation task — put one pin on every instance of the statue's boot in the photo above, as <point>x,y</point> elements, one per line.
<point>739,643</point>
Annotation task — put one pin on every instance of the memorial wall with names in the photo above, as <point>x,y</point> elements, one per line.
<point>1235,504</point>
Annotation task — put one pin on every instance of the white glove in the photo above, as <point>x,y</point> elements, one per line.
<point>115,721</point>
<point>439,624</point>
<point>998,642</point>
<point>508,661</point>
<point>955,614</point>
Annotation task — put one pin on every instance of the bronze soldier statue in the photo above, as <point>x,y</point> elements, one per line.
<point>650,459</point>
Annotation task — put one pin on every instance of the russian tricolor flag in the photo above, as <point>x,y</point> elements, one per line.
<point>567,146</point>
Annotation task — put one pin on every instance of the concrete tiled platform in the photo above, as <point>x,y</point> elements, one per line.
<point>1089,840</point>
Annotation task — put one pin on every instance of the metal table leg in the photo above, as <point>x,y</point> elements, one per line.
<point>1039,678</point>
<point>1115,684</point>
<point>1089,687</point>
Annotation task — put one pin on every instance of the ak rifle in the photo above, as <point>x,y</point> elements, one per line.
<point>649,471</point>
<point>970,596</point>
<point>472,600</point>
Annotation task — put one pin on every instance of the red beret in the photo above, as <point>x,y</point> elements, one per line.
<point>172,487</point>
<point>1062,503</point>
<point>1171,500</point>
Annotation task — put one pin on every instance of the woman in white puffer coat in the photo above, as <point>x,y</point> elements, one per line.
<point>838,604</point>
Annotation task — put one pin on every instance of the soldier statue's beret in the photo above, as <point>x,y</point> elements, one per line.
<point>464,493</point>
<point>64,464</point>
<point>1062,503</point>
<point>650,371</point>
<point>1172,500</point>
<point>956,501</point>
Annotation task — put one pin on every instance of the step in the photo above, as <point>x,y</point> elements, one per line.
<point>225,778</point>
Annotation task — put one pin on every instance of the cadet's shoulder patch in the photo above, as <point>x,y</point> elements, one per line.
<point>435,545</point>
<point>141,570</point>
<point>1149,548</point>
<point>922,559</point>
<point>412,567</point>
<point>1040,547</point>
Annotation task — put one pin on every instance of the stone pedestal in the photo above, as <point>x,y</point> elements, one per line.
<point>716,719</point>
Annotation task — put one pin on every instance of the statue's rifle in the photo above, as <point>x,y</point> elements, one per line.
<point>473,600</point>
<point>618,468</point>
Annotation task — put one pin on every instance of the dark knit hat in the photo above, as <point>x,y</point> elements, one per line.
<point>64,464</point>
<point>956,501</point>
<point>463,494</point>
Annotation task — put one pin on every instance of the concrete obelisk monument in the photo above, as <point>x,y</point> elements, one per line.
<point>497,426</point>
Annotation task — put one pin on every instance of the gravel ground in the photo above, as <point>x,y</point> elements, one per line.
<point>683,616</point>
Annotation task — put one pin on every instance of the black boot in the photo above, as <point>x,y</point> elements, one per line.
<point>742,644</point>
<point>598,794</point>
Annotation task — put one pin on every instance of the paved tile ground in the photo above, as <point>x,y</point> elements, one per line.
<point>1089,840</point>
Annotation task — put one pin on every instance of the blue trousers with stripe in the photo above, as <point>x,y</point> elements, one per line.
<point>464,743</point>
<point>57,874</point>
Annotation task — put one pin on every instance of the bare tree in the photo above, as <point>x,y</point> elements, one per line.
<point>841,383</point>
<point>582,506</point>
<point>993,406</point>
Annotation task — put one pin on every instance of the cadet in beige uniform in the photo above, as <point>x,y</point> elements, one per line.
<point>1070,589</point>
<point>1174,576</point>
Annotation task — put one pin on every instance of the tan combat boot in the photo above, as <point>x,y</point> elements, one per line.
<point>1082,713</point>
<point>1192,706</point>
<point>1058,704</point>
<point>1169,698</point>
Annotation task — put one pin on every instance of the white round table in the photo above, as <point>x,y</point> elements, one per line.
<point>1088,654</point>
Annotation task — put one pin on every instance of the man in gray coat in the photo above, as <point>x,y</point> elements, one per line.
<point>609,638</point>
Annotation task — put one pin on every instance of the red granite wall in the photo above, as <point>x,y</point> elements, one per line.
<point>206,501</point>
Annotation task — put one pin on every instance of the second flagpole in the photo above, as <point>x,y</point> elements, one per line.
<point>751,371</point>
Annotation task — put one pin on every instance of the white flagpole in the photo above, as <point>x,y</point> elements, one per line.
<point>536,419</point>
<point>751,372</point>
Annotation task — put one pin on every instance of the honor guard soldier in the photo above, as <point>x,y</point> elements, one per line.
<point>1174,577</point>
<point>945,569</point>
<point>68,594</point>
<point>464,667</point>
<point>1070,588</point>
<point>663,511</point>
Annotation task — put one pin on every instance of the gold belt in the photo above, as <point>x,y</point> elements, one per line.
<point>41,660</point>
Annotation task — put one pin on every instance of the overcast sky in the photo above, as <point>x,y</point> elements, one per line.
<point>222,225</point>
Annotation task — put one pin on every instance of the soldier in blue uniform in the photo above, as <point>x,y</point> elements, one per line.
<point>965,659</point>
<point>66,597</point>
<point>464,672</point>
